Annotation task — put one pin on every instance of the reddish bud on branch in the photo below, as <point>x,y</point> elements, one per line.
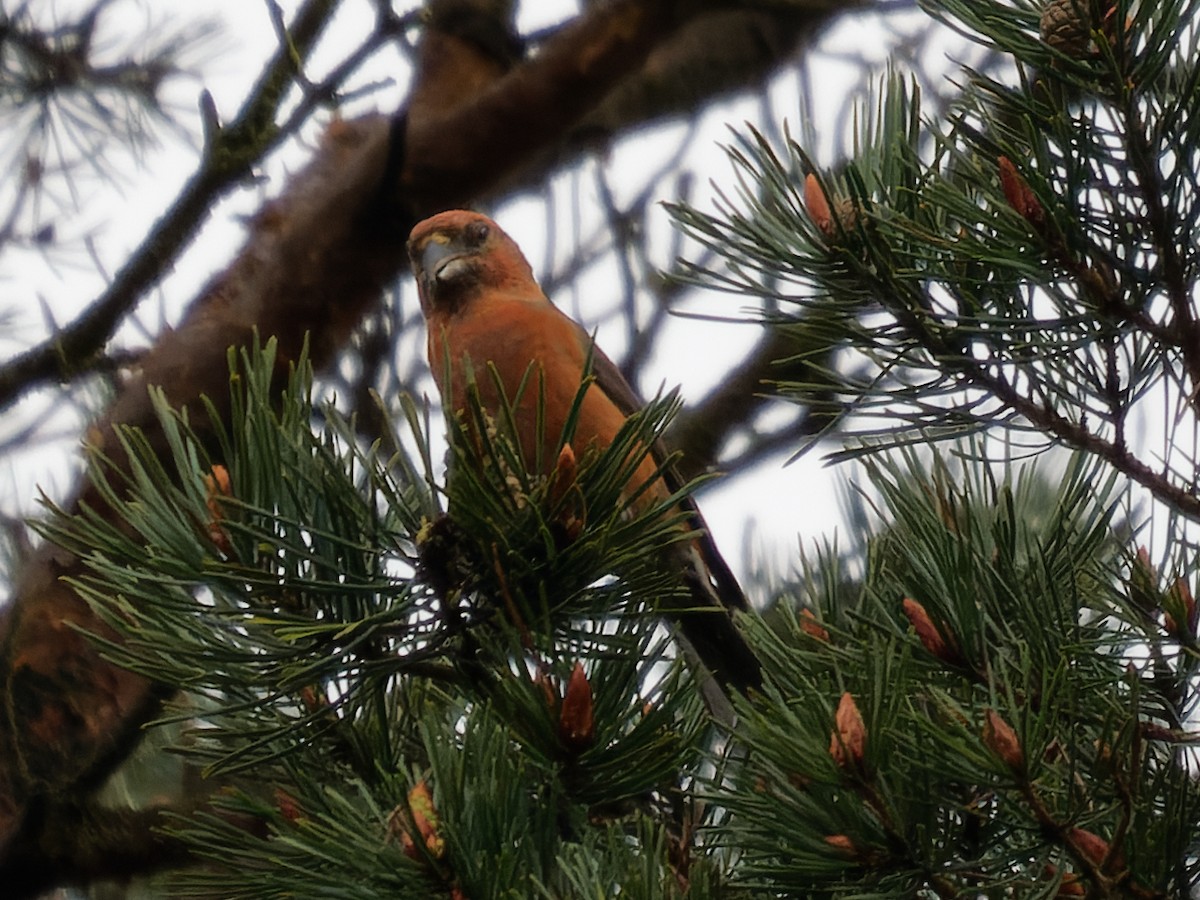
<point>565,495</point>
<point>216,486</point>
<point>287,806</point>
<point>218,483</point>
<point>566,470</point>
<point>848,743</point>
<point>1092,846</point>
<point>817,205</point>
<point>1000,738</point>
<point>1070,886</point>
<point>313,702</point>
<point>842,844</point>
<point>810,626</point>
<point>420,817</point>
<point>1019,195</point>
<point>1180,616</point>
<point>842,216</point>
<point>927,633</point>
<point>576,724</point>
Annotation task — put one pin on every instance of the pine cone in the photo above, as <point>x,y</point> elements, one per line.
<point>1066,25</point>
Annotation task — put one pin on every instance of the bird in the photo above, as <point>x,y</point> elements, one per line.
<point>488,320</point>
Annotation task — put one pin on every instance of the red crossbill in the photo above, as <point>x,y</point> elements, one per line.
<point>486,312</point>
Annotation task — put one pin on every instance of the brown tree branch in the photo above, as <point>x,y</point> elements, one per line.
<point>230,153</point>
<point>456,157</point>
<point>1077,436</point>
<point>709,57</point>
<point>704,427</point>
<point>79,845</point>
<point>1037,408</point>
<point>315,261</point>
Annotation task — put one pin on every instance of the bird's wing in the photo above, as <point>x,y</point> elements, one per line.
<point>610,380</point>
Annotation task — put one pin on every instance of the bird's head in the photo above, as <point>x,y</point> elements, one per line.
<point>459,255</point>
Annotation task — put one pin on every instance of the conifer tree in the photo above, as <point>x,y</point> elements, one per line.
<point>1010,690</point>
<point>410,685</point>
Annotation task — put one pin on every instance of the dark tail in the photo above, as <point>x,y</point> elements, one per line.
<point>708,622</point>
<point>715,598</point>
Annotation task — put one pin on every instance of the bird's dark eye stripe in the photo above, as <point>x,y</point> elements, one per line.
<point>477,232</point>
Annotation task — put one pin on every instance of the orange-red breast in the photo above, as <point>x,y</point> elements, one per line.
<point>483,308</point>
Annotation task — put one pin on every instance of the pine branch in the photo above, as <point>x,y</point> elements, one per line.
<point>321,681</point>
<point>960,270</point>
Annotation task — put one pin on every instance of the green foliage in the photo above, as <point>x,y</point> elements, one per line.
<point>334,667</point>
<point>1016,576</point>
<point>1025,685</point>
<point>297,562</point>
<point>405,689</point>
<point>1028,263</point>
<point>372,735</point>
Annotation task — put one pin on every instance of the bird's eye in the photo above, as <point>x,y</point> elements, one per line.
<point>477,233</point>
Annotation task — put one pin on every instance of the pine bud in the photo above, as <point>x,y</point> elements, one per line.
<point>1115,30</point>
<point>1094,847</point>
<point>843,216</point>
<point>218,482</point>
<point>420,817</point>
<point>842,844</point>
<point>313,701</point>
<point>927,633</point>
<point>216,486</point>
<point>1179,616</point>
<point>1069,886</point>
<point>1000,738</point>
<point>1019,195</point>
<point>810,626</point>
<point>576,724</point>
<point>287,806</point>
<point>565,495</point>
<point>566,470</point>
<point>817,205</point>
<point>848,743</point>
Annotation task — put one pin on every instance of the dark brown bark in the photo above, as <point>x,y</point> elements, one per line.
<point>781,356</point>
<point>315,261</point>
<point>72,845</point>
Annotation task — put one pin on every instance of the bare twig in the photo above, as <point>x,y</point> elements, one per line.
<point>227,159</point>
